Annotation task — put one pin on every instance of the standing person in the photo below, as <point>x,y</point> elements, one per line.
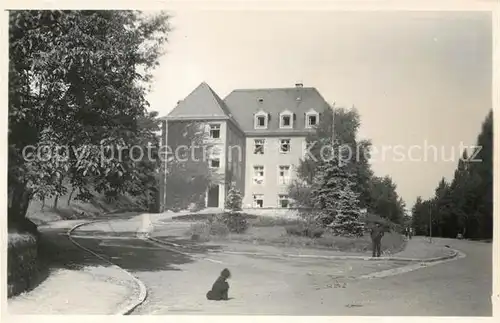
<point>376,234</point>
<point>411,232</point>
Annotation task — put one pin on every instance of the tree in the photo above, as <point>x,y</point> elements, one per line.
<point>234,198</point>
<point>332,194</point>
<point>347,123</point>
<point>300,193</point>
<point>459,193</point>
<point>188,171</point>
<point>466,204</point>
<point>80,78</point>
<point>444,221</point>
<point>385,201</point>
<point>420,216</point>
<point>481,170</point>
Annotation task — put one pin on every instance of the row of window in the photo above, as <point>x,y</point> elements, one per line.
<point>284,146</point>
<point>283,201</point>
<point>284,174</point>
<point>287,119</point>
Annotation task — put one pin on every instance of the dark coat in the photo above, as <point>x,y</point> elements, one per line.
<point>377,233</point>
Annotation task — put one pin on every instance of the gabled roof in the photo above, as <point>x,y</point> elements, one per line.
<point>243,104</point>
<point>201,102</point>
<point>240,107</point>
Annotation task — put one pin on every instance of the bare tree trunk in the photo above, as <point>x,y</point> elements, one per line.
<point>56,200</point>
<point>71,195</point>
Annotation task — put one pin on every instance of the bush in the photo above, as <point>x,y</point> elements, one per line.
<point>305,230</point>
<point>203,231</point>
<point>271,221</point>
<point>23,263</point>
<point>219,229</point>
<point>235,222</point>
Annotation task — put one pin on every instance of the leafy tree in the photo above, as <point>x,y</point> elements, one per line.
<point>300,193</point>
<point>188,171</point>
<point>481,170</point>
<point>346,127</point>
<point>81,78</point>
<point>466,204</point>
<point>385,201</point>
<point>444,221</point>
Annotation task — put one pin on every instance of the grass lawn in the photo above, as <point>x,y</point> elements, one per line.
<point>267,230</point>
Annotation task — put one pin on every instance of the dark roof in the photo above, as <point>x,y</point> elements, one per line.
<point>202,101</point>
<point>243,104</point>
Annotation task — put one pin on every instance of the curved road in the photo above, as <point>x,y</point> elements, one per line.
<point>177,282</point>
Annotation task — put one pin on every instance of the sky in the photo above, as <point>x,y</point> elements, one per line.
<point>418,79</point>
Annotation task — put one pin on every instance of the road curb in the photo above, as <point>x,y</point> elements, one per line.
<point>412,267</point>
<point>453,255</point>
<point>428,260</point>
<point>147,235</point>
<point>142,288</point>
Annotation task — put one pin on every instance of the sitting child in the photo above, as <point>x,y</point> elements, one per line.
<point>220,288</point>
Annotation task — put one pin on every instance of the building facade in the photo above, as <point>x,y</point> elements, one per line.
<point>256,137</point>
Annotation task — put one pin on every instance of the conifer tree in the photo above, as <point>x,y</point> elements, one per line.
<point>334,197</point>
<point>234,198</point>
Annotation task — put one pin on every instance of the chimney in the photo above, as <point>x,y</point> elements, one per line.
<point>299,85</point>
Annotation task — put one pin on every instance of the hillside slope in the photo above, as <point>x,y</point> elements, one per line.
<point>40,214</point>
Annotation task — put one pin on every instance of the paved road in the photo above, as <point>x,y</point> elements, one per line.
<point>457,288</point>
<point>178,282</point>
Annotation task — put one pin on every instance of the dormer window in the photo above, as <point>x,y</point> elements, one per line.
<point>261,119</point>
<point>312,119</point>
<point>286,120</point>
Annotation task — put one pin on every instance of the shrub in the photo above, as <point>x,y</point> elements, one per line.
<point>309,230</point>
<point>271,221</point>
<point>235,222</point>
<point>219,229</point>
<point>199,231</point>
<point>203,231</point>
<point>23,263</point>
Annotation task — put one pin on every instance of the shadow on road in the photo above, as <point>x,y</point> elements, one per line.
<point>132,254</point>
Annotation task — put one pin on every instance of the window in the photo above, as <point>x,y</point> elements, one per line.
<point>215,162</point>
<point>261,120</point>
<point>312,119</point>
<point>284,174</point>
<point>258,200</point>
<point>258,174</point>
<point>284,145</point>
<point>286,120</point>
<point>259,146</point>
<point>283,201</point>
<point>215,131</point>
